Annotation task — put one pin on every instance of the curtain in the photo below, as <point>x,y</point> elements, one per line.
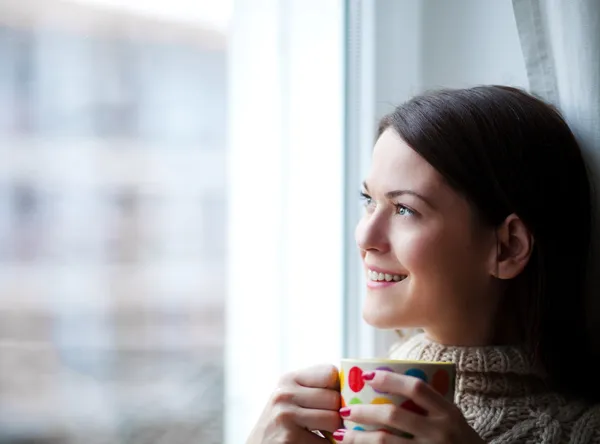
<point>560,40</point>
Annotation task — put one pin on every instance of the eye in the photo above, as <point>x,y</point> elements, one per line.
<point>367,200</point>
<point>403,210</point>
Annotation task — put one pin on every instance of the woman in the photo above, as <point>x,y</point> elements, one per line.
<point>478,220</point>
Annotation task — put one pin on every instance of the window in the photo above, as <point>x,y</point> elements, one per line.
<point>130,310</point>
<point>113,120</point>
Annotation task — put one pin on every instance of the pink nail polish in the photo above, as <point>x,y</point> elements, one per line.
<point>345,411</point>
<point>338,435</point>
<point>368,376</point>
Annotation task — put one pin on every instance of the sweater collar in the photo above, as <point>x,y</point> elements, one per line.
<point>496,371</point>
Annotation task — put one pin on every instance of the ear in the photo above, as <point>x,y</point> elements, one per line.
<point>514,244</point>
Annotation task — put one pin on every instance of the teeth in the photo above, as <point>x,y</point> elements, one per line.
<point>375,276</point>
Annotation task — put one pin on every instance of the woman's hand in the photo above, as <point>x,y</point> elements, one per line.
<point>303,401</point>
<point>438,422</point>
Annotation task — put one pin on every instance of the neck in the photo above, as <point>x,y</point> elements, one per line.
<point>478,326</point>
<point>470,335</point>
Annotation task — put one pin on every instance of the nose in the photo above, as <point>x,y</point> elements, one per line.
<point>371,234</point>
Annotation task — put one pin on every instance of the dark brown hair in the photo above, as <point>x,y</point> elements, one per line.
<point>509,152</point>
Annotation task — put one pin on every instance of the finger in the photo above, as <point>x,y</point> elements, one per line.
<point>359,437</point>
<point>410,387</point>
<point>317,419</point>
<point>321,376</point>
<point>308,397</point>
<point>388,415</point>
<point>317,398</point>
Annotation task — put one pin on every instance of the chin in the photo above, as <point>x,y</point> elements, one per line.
<point>384,319</point>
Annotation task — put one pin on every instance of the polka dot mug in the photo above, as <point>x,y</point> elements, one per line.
<point>354,390</point>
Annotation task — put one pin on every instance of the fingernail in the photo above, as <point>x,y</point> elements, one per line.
<point>345,411</point>
<point>338,435</point>
<point>368,376</point>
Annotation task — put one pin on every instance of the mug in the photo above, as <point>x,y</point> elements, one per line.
<point>354,390</point>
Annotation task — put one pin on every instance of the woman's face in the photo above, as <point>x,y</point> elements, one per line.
<point>427,260</point>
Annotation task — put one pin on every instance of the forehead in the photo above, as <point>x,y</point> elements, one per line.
<point>396,165</point>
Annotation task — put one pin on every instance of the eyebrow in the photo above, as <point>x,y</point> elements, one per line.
<point>396,193</point>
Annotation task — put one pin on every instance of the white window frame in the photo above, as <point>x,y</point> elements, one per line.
<point>382,70</point>
<point>360,340</point>
<point>286,198</point>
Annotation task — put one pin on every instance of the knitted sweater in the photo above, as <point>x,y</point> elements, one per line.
<point>503,397</point>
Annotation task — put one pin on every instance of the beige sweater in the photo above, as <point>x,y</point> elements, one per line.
<point>503,396</point>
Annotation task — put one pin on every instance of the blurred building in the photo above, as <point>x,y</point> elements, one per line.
<point>112,225</point>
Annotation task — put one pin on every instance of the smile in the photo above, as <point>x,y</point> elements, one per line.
<point>384,277</point>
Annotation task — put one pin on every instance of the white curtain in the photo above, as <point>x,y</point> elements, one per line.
<point>561,45</point>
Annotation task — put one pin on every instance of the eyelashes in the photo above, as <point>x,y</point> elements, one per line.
<point>403,210</point>
<point>400,209</point>
<point>365,198</point>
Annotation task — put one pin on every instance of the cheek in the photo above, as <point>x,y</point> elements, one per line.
<point>416,248</point>
<point>433,253</point>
